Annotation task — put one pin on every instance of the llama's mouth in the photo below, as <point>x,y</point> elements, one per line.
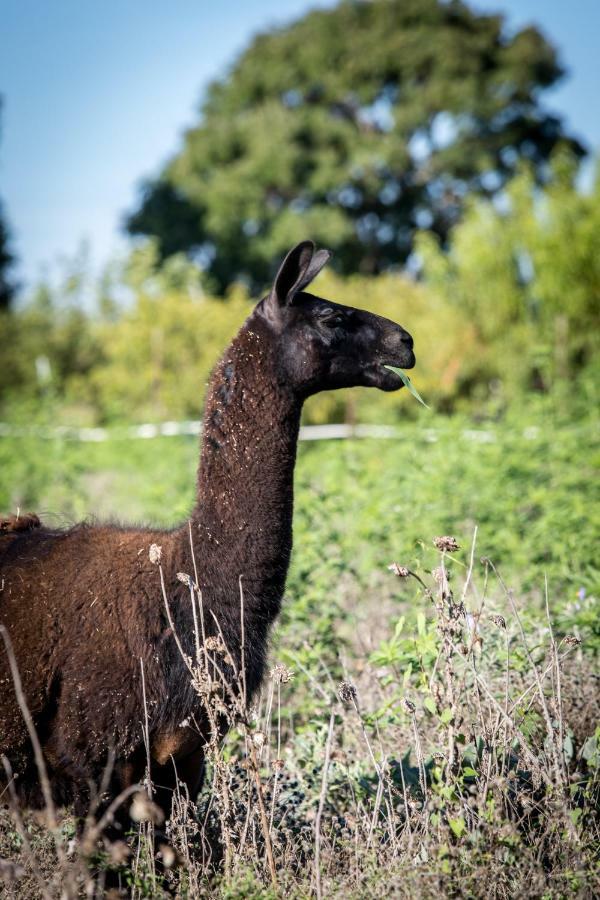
<point>378,375</point>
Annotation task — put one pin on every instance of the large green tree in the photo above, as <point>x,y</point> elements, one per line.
<point>356,126</point>
<point>7,287</point>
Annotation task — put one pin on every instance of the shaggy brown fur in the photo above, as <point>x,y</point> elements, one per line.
<point>84,606</point>
<point>20,522</point>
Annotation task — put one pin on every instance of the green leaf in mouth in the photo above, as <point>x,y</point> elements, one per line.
<point>408,383</point>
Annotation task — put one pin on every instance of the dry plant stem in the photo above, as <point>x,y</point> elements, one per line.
<point>146,732</point>
<point>533,684</point>
<point>172,624</point>
<point>389,799</point>
<point>421,765</point>
<point>470,569</point>
<point>14,805</point>
<point>243,644</point>
<point>546,712</point>
<point>276,778</point>
<point>109,814</point>
<point>193,553</point>
<point>37,749</point>
<point>263,814</point>
<point>405,802</point>
<point>321,806</point>
<point>557,684</point>
<point>518,733</point>
<point>378,769</point>
<point>196,629</point>
<point>446,598</point>
<point>319,690</point>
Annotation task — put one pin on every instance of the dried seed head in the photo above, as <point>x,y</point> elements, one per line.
<point>184,578</point>
<point>500,621</point>
<point>281,674</point>
<point>168,855</point>
<point>214,643</point>
<point>408,706</point>
<point>347,692</point>
<point>118,852</point>
<point>142,809</point>
<point>447,543</point>
<point>439,574</point>
<point>259,739</point>
<point>155,553</point>
<point>572,640</point>
<point>400,571</point>
<point>278,765</point>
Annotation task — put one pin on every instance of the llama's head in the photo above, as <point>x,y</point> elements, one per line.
<point>322,345</point>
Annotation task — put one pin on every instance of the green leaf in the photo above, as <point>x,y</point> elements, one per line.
<point>408,383</point>
<point>429,704</point>
<point>469,772</point>
<point>458,826</point>
<point>576,815</point>
<point>446,716</point>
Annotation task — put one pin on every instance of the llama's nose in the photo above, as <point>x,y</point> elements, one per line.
<point>407,340</point>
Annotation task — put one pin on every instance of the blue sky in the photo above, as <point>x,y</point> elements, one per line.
<point>96,95</point>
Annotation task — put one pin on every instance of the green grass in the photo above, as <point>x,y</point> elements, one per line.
<point>528,483</point>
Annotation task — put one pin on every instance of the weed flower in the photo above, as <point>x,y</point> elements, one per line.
<point>572,640</point>
<point>258,739</point>
<point>168,856</point>
<point>347,692</point>
<point>281,674</point>
<point>214,643</point>
<point>500,621</point>
<point>155,553</point>
<point>400,571</point>
<point>408,706</point>
<point>118,852</point>
<point>144,810</point>
<point>446,543</point>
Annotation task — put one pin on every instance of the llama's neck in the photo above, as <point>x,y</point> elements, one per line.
<point>242,523</point>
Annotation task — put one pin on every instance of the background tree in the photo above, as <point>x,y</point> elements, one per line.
<point>356,125</point>
<point>7,287</point>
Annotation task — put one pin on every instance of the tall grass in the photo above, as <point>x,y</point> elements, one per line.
<point>462,759</point>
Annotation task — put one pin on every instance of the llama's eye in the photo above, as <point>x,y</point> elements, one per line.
<point>332,320</point>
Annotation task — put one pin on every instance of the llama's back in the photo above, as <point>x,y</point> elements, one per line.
<point>71,602</point>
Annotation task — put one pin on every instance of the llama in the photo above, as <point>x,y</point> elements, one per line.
<point>83,607</point>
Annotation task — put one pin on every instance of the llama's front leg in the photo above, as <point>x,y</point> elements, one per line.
<point>188,771</point>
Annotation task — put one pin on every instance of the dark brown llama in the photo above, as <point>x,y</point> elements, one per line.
<point>83,606</point>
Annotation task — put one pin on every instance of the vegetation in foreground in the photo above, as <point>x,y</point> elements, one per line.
<point>425,731</point>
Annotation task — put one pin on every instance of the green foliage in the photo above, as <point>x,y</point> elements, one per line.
<point>7,286</point>
<point>527,277</point>
<point>513,306</point>
<point>527,482</point>
<point>356,125</point>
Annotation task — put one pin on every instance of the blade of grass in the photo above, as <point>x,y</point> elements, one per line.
<point>408,383</point>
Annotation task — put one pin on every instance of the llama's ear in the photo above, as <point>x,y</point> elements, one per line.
<point>297,270</point>
<point>292,273</point>
<point>320,258</point>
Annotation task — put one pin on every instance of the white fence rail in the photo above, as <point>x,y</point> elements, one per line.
<point>172,429</point>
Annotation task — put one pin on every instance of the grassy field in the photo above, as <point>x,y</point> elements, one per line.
<point>439,734</point>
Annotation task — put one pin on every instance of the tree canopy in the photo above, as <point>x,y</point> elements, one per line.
<point>7,287</point>
<point>357,125</point>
